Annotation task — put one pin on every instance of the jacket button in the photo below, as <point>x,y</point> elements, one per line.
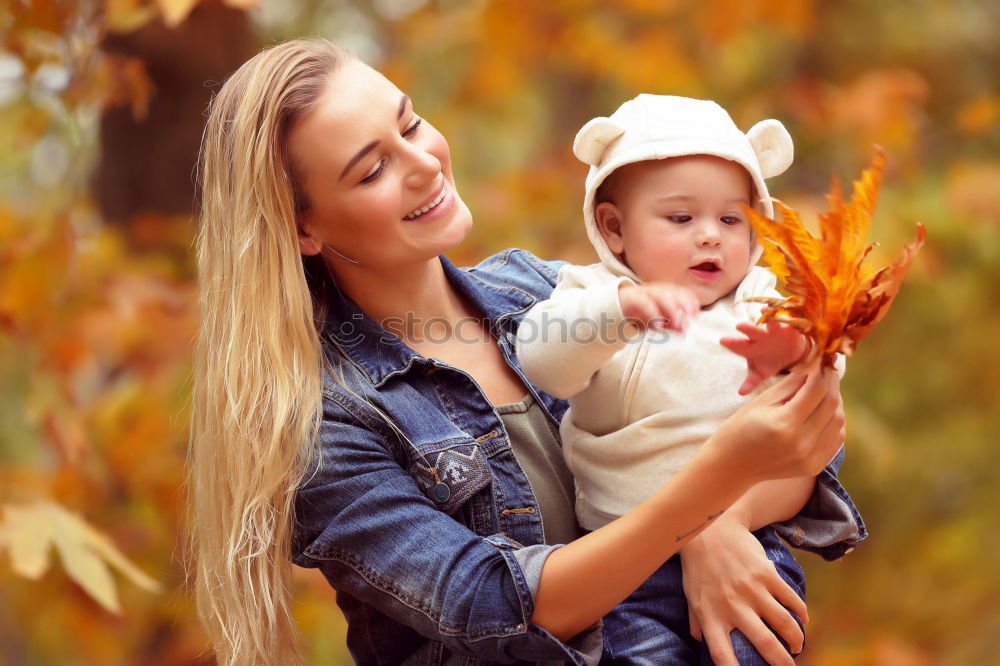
<point>441,492</point>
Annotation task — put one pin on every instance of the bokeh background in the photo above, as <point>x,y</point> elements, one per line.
<point>101,106</point>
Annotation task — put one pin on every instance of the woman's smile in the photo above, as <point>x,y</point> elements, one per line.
<point>439,204</point>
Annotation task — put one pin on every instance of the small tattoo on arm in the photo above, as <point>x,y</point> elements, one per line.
<point>708,519</point>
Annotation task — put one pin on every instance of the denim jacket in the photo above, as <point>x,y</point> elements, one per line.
<point>417,512</point>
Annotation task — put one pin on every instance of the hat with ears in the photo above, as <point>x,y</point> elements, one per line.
<point>653,127</point>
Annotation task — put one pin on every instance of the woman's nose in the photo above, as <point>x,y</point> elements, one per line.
<point>423,167</point>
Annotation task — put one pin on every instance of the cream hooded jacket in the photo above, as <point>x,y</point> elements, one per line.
<point>641,402</point>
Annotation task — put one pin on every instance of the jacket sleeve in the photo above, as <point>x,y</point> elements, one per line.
<point>363,521</point>
<point>829,524</point>
<point>564,340</point>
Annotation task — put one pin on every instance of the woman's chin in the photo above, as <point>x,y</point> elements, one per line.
<point>458,228</point>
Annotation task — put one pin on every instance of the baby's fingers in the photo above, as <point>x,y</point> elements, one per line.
<point>752,381</point>
<point>739,346</point>
<point>672,310</point>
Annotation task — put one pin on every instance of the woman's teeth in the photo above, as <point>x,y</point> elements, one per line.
<point>420,211</point>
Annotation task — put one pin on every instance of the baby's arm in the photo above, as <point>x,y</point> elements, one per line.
<point>564,340</point>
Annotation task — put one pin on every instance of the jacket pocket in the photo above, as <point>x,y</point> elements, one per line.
<point>450,477</point>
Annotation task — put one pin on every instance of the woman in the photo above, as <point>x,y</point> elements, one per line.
<point>358,407</point>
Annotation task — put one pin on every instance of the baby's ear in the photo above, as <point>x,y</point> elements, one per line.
<point>773,146</point>
<point>594,138</point>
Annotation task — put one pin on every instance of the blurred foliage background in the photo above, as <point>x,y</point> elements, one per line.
<point>101,106</point>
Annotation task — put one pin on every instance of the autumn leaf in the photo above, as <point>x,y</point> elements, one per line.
<point>834,297</point>
<point>28,532</point>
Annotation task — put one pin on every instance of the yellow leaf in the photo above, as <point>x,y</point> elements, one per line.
<point>833,296</point>
<point>29,530</point>
<point>127,15</point>
<point>88,570</point>
<point>27,541</point>
<point>175,11</point>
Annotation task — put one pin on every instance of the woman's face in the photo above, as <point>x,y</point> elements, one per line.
<point>378,178</point>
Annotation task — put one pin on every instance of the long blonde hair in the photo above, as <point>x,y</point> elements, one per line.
<point>257,359</point>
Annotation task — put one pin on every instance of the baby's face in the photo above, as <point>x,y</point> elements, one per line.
<point>682,223</point>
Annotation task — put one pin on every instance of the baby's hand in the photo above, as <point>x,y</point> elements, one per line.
<point>658,305</point>
<point>768,349</point>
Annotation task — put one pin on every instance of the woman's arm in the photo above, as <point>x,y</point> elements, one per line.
<point>791,429</point>
<point>731,584</point>
<point>772,501</point>
<point>365,524</point>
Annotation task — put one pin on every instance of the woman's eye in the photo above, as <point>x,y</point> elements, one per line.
<point>376,173</point>
<point>679,219</point>
<point>412,129</point>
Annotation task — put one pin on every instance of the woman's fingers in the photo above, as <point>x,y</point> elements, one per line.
<point>781,621</point>
<point>694,623</point>
<point>830,438</point>
<point>784,389</point>
<point>787,597</point>
<point>720,643</point>
<point>720,647</point>
<point>768,644</point>
<point>811,394</point>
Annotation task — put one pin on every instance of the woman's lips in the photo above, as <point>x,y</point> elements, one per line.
<point>431,204</point>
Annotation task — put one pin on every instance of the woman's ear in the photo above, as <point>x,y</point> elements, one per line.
<point>609,224</point>
<point>309,245</point>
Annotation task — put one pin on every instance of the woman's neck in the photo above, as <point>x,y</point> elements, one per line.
<point>412,293</point>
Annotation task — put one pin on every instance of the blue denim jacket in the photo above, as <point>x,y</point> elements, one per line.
<point>416,510</point>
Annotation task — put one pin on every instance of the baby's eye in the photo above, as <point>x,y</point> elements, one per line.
<point>730,219</point>
<point>411,131</point>
<point>679,219</point>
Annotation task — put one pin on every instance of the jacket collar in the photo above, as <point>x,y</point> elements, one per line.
<point>380,354</point>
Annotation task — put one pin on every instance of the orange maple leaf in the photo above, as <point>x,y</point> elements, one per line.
<point>834,297</point>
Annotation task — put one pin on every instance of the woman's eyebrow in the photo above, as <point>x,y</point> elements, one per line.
<point>371,146</point>
<point>354,160</point>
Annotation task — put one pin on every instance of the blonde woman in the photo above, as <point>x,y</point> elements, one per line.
<point>358,408</point>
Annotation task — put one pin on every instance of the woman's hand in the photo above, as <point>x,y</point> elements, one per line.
<point>794,428</point>
<point>730,584</point>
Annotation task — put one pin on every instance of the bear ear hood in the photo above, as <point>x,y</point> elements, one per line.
<point>652,127</point>
<point>772,144</point>
<point>594,138</point>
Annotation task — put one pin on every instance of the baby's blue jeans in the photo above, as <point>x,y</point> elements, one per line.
<point>651,626</point>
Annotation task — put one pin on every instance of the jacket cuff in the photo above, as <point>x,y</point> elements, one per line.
<point>829,524</point>
<point>526,564</point>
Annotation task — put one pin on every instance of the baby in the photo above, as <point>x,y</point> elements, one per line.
<point>634,341</point>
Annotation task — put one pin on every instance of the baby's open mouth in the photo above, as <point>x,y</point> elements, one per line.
<point>709,266</point>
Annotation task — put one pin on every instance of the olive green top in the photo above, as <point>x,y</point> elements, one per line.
<point>535,442</point>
